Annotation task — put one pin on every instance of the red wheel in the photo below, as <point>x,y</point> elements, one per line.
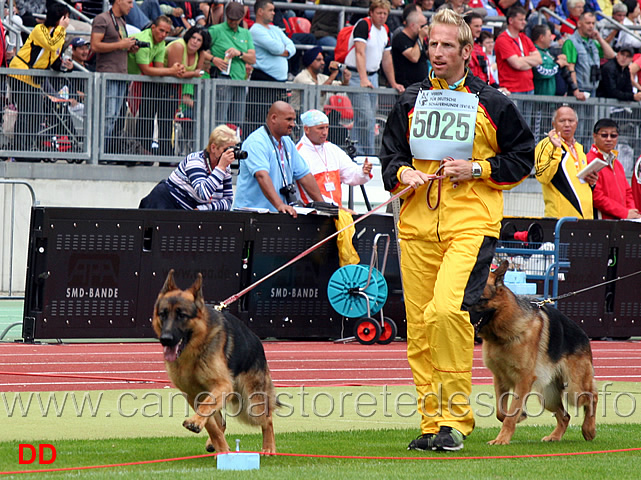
<point>388,331</point>
<point>367,331</point>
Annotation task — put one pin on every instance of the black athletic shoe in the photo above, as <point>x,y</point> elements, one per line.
<point>448,439</point>
<point>422,442</point>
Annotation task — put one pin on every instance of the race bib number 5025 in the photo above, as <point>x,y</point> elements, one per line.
<point>443,124</point>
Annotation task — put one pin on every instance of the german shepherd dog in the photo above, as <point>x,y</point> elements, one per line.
<point>530,348</point>
<point>216,361</point>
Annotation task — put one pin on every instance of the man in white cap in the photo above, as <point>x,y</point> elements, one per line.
<point>329,165</point>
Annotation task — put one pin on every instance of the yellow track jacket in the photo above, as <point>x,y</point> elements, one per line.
<point>503,146</point>
<point>563,193</point>
<point>41,50</point>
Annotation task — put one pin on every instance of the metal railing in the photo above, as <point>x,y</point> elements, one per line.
<point>133,118</point>
<point>95,118</point>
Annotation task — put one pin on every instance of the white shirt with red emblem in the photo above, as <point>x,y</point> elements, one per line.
<point>330,166</point>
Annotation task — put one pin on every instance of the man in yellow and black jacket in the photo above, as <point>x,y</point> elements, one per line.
<point>558,158</point>
<point>448,232</point>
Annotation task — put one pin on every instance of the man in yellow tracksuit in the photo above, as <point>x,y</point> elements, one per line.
<point>558,159</point>
<point>448,232</point>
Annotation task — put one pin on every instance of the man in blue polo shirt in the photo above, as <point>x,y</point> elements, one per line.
<point>266,178</point>
<point>273,50</point>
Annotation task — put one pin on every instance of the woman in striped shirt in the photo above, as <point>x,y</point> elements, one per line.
<point>202,181</point>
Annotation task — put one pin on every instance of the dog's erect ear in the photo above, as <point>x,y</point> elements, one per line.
<point>169,283</point>
<point>499,273</point>
<point>197,291</point>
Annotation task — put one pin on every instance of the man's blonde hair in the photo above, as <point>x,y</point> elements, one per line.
<point>450,17</point>
<point>374,4</point>
<point>221,135</point>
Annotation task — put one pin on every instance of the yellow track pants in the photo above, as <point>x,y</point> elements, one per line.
<point>438,279</point>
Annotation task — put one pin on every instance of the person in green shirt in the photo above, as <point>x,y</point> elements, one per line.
<point>233,49</point>
<point>545,74</point>
<point>155,98</point>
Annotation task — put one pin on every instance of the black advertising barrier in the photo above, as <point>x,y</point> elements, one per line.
<point>589,243</point>
<point>625,308</point>
<point>95,273</point>
<point>83,274</point>
<point>293,303</point>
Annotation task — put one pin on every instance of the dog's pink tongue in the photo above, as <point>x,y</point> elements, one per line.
<point>170,353</point>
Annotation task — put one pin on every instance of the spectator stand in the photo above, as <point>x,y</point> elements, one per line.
<point>93,151</point>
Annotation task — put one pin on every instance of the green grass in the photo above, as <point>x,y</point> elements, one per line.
<point>388,443</point>
<point>110,439</point>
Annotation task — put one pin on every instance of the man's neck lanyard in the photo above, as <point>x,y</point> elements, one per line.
<point>116,26</point>
<point>323,157</point>
<point>518,42</point>
<point>279,157</point>
<point>572,151</point>
<point>606,157</point>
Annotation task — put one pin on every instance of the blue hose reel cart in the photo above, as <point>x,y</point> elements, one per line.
<point>360,291</point>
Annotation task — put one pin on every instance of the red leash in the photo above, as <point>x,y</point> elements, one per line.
<point>236,296</point>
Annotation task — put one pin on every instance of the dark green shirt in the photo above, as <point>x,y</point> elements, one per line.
<point>544,75</point>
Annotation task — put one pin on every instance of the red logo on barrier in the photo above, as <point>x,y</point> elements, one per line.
<point>33,455</point>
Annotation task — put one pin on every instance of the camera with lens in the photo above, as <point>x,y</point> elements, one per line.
<point>595,74</point>
<point>141,44</point>
<point>339,66</point>
<point>350,147</point>
<point>239,153</point>
<point>289,192</point>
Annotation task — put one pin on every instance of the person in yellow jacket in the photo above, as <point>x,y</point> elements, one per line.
<point>42,50</point>
<point>449,228</point>
<point>558,158</point>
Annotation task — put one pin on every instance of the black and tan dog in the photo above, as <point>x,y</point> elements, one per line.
<point>216,361</point>
<point>530,348</point>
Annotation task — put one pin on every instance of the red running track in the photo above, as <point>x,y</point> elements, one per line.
<point>108,366</point>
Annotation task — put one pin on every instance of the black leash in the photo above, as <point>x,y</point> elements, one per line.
<point>576,292</point>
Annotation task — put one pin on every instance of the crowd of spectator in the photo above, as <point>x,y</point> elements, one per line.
<point>548,47</point>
